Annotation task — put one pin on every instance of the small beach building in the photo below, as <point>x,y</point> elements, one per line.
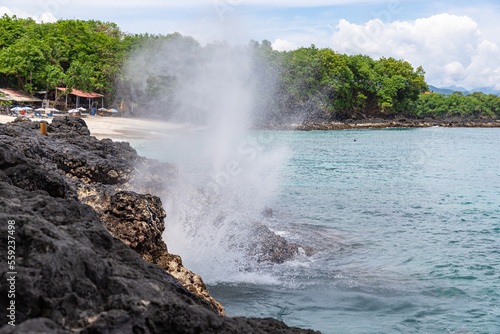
<point>77,98</point>
<point>18,97</point>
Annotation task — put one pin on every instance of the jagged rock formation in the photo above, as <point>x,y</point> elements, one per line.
<point>73,164</point>
<point>137,220</point>
<point>74,275</point>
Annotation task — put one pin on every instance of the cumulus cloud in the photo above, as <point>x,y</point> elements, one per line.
<point>454,70</point>
<point>450,48</point>
<point>283,45</point>
<point>43,17</point>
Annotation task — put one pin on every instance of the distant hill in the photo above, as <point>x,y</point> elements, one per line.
<point>445,91</point>
<point>458,89</point>
<point>449,90</point>
<point>487,90</point>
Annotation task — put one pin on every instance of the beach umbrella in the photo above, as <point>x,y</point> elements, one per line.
<point>102,109</point>
<point>112,110</point>
<point>81,109</point>
<point>27,108</point>
<point>53,109</point>
<point>40,109</point>
<point>16,109</point>
<point>73,111</point>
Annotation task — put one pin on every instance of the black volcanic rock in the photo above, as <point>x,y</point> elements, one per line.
<point>137,220</point>
<point>74,275</point>
<point>68,126</point>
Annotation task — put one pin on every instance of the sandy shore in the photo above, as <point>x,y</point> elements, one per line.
<point>120,128</point>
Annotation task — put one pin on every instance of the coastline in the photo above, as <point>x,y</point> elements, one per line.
<point>378,123</point>
<point>125,128</point>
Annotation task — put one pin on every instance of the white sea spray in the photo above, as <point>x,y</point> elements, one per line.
<point>228,176</point>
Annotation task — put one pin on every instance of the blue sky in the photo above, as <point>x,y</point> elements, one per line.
<point>456,42</point>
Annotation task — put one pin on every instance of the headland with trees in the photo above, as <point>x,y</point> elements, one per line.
<point>309,83</point>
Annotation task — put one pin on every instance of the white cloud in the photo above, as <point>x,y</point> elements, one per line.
<point>454,70</point>
<point>283,45</point>
<point>43,17</point>
<point>450,48</point>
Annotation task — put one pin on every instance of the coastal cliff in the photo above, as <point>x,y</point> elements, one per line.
<point>83,231</point>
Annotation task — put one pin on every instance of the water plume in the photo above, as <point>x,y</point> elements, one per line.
<point>228,175</point>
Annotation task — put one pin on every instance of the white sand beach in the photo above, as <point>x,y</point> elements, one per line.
<point>120,128</point>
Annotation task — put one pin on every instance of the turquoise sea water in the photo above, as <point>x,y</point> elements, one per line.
<point>405,225</point>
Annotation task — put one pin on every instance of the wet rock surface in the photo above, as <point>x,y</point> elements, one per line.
<point>265,245</point>
<point>82,233</point>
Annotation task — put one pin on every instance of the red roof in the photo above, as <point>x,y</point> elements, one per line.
<point>17,95</point>
<point>80,93</point>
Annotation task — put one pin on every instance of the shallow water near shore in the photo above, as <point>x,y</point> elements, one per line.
<point>405,224</point>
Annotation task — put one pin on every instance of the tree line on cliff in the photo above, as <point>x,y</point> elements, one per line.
<point>304,84</point>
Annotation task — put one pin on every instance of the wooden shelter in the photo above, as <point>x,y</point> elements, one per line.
<point>77,97</point>
<point>18,96</point>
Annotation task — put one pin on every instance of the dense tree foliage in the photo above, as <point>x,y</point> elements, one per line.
<point>320,83</point>
<point>303,84</point>
<point>85,55</point>
<point>458,105</point>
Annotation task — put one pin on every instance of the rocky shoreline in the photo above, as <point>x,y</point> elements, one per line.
<point>90,257</point>
<point>379,123</point>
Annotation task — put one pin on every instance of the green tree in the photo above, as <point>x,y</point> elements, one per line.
<point>24,59</point>
<point>399,84</point>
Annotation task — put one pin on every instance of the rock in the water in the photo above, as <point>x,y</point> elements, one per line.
<point>267,246</point>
